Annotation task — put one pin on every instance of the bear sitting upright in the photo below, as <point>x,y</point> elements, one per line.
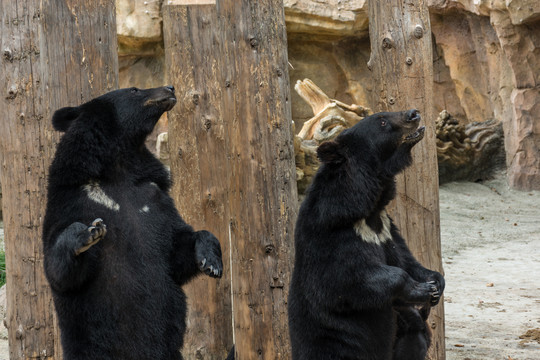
<point>116,251</point>
<point>353,273</point>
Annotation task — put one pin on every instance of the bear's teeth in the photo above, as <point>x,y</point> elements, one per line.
<point>415,134</point>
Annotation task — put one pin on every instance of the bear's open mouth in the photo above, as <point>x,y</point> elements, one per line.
<point>415,136</point>
<point>169,103</point>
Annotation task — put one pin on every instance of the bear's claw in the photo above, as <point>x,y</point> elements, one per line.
<point>96,232</point>
<point>208,254</point>
<point>210,270</point>
<point>435,293</point>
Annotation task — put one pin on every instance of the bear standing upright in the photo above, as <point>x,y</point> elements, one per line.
<point>116,251</point>
<point>353,273</point>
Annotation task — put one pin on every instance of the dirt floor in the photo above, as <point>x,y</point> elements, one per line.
<point>491,253</point>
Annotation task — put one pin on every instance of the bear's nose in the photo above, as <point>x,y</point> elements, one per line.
<point>170,87</point>
<point>413,115</point>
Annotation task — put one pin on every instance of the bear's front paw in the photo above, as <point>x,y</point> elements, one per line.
<point>436,294</point>
<point>208,254</point>
<point>437,280</point>
<point>421,293</point>
<point>94,233</point>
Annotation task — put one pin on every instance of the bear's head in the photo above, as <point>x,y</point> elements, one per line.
<point>356,177</point>
<point>125,113</point>
<point>105,136</point>
<point>377,138</point>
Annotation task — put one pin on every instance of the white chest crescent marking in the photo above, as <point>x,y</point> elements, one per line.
<point>369,235</point>
<point>96,194</point>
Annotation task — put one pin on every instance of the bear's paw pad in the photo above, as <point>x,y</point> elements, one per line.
<point>96,232</point>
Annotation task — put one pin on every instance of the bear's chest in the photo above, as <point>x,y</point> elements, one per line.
<point>138,217</point>
<point>374,231</point>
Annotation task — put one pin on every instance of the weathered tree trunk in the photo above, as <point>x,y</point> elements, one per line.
<point>402,66</point>
<point>233,161</point>
<point>263,199</point>
<point>54,53</point>
<point>198,143</point>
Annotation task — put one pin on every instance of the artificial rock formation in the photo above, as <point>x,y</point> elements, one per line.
<point>138,25</point>
<point>521,44</point>
<point>486,62</point>
<point>327,18</point>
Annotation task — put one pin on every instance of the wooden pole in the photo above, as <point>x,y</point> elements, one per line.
<point>199,164</point>
<point>402,66</point>
<point>263,199</point>
<point>233,162</point>
<point>54,54</point>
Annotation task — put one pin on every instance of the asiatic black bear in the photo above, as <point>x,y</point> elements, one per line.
<point>116,251</point>
<point>353,271</point>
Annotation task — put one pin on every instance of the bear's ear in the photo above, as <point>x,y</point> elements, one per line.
<point>330,152</point>
<point>63,117</point>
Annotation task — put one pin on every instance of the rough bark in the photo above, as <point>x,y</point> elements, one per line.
<point>199,166</point>
<point>54,54</point>
<point>402,67</point>
<point>262,200</point>
<point>232,158</point>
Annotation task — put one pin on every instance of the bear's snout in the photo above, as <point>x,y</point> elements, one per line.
<point>413,115</point>
<point>163,97</point>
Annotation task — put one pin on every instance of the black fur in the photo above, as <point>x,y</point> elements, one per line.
<point>345,290</point>
<point>413,336</point>
<point>116,249</point>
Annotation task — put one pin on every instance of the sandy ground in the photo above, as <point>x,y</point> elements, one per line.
<point>491,256</point>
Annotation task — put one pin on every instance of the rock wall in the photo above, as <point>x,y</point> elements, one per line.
<point>486,62</point>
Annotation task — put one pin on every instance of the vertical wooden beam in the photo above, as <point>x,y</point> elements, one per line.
<point>232,155</point>
<point>402,65</point>
<point>54,53</point>
<point>198,140</point>
<point>262,198</point>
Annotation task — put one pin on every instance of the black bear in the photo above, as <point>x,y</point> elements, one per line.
<point>116,251</point>
<point>353,273</point>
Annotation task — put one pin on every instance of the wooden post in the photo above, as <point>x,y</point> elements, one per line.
<point>233,162</point>
<point>54,53</point>
<point>263,199</point>
<point>402,66</point>
<point>198,146</point>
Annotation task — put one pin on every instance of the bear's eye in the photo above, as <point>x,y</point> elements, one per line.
<point>383,122</point>
<point>134,90</point>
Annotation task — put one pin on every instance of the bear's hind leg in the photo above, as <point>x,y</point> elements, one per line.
<point>413,337</point>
